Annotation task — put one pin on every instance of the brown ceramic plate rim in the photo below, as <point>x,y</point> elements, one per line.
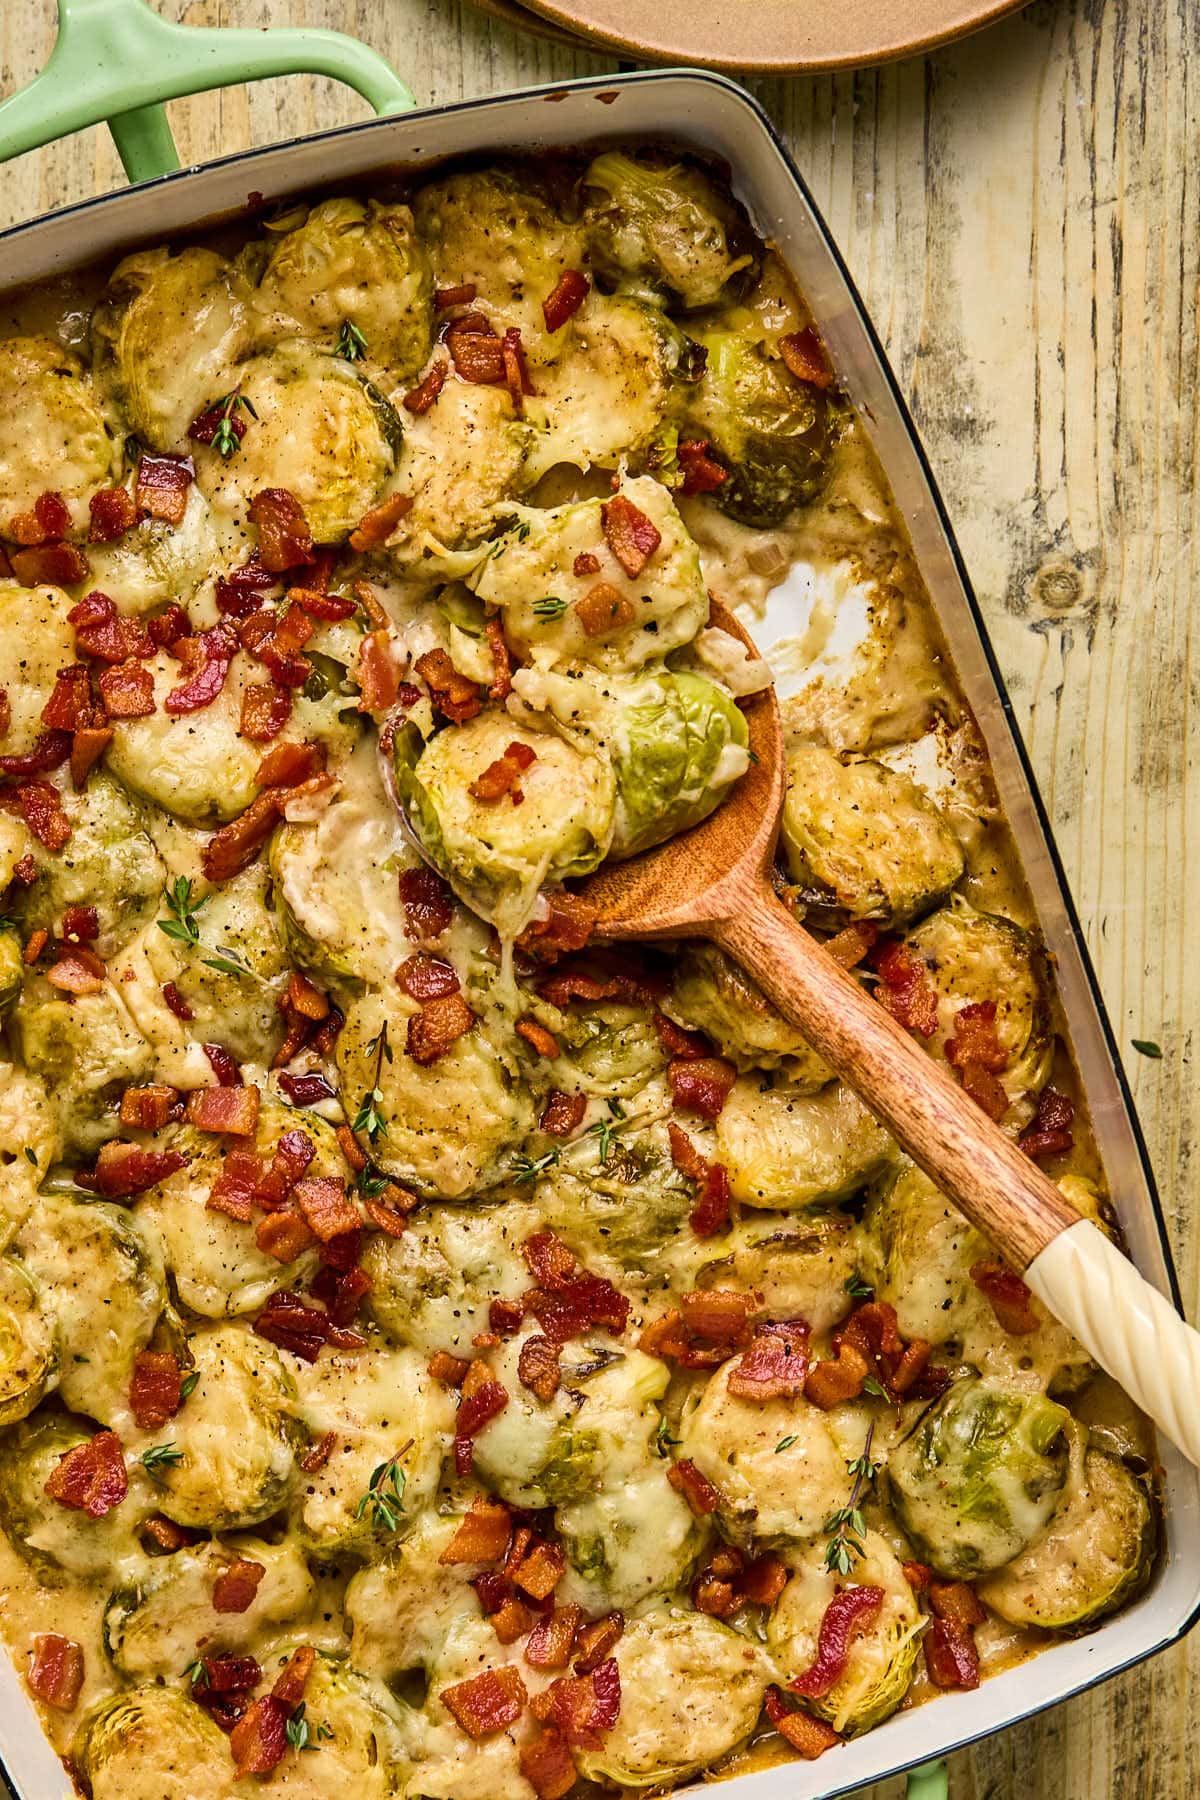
<point>802,34</point>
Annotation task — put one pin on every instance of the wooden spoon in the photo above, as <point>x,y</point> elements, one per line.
<point>715,882</point>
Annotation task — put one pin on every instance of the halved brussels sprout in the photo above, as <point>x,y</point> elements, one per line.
<point>777,1464</point>
<point>105,1289</point>
<point>530,576</point>
<point>109,862</point>
<point>666,230</point>
<point>379,1405</point>
<point>1094,1555</point>
<point>29,1143</point>
<point>453,1766</point>
<point>158,1623</point>
<point>862,841</point>
<point>979,1475</point>
<point>788,1148</point>
<point>353,265</point>
<point>51,1537</point>
<point>773,434</point>
<point>35,643</point>
<point>237,1435</point>
<point>152,1743</point>
<point>497,854</point>
<point>800,1266</point>
<point>679,744</point>
<point>12,966</point>
<point>52,430</point>
<point>882,1653</point>
<point>362,1736</point>
<point>613,1048</point>
<point>497,232</point>
<point>28,1355</point>
<point>317,430</point>
<point>712,994</point>
<point>635,1538</point>
<point>154,562</point>
<point>452,1127</point>
<point>691,1692</point>
<point>399,1611</point>
<point>458,461</point>
<point>166,335</point>
<point>628,1210</point>
<point>432,1287</point>
<point>87,1051</point>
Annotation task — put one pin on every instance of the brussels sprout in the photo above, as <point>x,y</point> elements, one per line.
<point>680,744</point>
<point>1094,1554</point>
<point>88,1051</point>
<point>35,643</point>
<point>496,854</point>
<point>453,1766</point>
<point>882,1653</point>
<point>379,1406</point>
<point>236,1436</point>
<point>979,1475</point>
<point>691,1692</point>
<point>776,1463</point>
<point>799,1266</point>
<point>12,967</point>
<point>166,335</point>
<point>156,1624</point>
<point>977,956</point>
<point>28,1357</point>
<point>51,1537</point>
<point>775,435</point>
<point>354,265</point>
<point>635,1538</point>
<point>613,1048</point>
<point>498,232</point>
<point>712,994</point>
<point>399,1611</point>
<point>626,1210</point>
<point>863,842</point>
<point>318,430</point>
<point>451,1127</point>
<point>667,230</point>
<point>532,569</point>
<point>788,1148</point>
<point>362,1736</point>
<point>109,862</point>
<point>105,1289</point>
<point>154,562</point>
<point>432,1287</point>
<point>218,1269</point>
<point>458,461</point>
<point>52,430</point>
<point>152,1743</point>
<point>29,1143</point>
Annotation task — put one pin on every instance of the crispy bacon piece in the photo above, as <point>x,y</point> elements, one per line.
<point>319,1455</point>
<point>258,1742</point>
<point>804,355</point>
<point>40,805</point>
<point>449,1370</point>
<point>1008,1297</point>
<point>123,1170</point>
<point>489,1702</point>
<point>775,1365</point>
<point>235,1587</point>
<point>697,1490</point>
<point>1050,1134</point>
<point>377,675</point>
<point>236,845</point>
<point>285,1236</point>
<point>113,513</point>
<point>951,1659</point>
<point>483,1399</point>
<point>277,639</point>
<point>847,1614</point>
<point>148,1108</point>
<point>712,1209</point>
<point>127,690</point>
<point>49,520</point>
<point>284,538</point>
<point>100,631</point>
<point>301,1329</point>
<point>918,1575</point>
<point>322,1200</point>
<point>537,1366</point>
<point>603,610</point>
<point>631,536</point>
<point>596,1640</point>
<point>830,1382</point>
<point>547,1765</point>
<point>501,686</point>
<point>222,1065</point>
<point>169,626</point>
<point>287,765</point>
<point>155,1388</point>
<point>91,1477</point>
<point>233,1191</point>
<point>232,1110</point>
<point>684,1154</point>
<point>977,1053</point>
<point>231,1674</point>
<point>552,1638</point>
<point>238,593</point>
<point>462,295</point>
<point>850,945</point>
<point>718,1316</point>
<point>808,1736</point>
<point>482,1536</point>
<point>905,988</point>
<point>506,1317</point>
<point>162,486</point>
<point>34,947</point>
<point>583,1299</point>
<point>957,1603</point>
<point>266,709</point>
<point>438,1025</point>
<point>206,661</point>
<point>586,564</point>
<point>543,1042</point>
<point>565,928</point>
<point>322,606</point>
<point>176,1002</point>
<point>428,903</point>
<point>563,1113</point>
<point>77,971</point>
<point>204,429</point>
<point>419,399</point>
<point>701,1085</point>
<point>80,924</point>
<point>292,1679</point>
<point>70,704</point>
<point>56,565</point>
<point>516,374</point>
<point>564,299</point>
<point>477,352</point>
<point>701,474</point>
<point>423,977</point>
<point>452,693</point>
<point>582,1707</point>
<point>56,1672</point>
<point>87,747</point>
<point>51,749</point>
<point>377,525</point>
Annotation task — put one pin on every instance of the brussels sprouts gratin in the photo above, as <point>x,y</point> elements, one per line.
<point>441,1358</point>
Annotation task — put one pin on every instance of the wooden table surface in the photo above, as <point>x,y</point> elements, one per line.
<point>1022,213</point>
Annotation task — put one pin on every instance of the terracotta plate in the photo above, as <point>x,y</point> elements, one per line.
<point>512,13</point>
<point>769,35</point>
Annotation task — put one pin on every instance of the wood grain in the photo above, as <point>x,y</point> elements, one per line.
<point>1021,212</point>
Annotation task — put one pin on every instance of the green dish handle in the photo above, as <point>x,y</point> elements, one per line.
<point>114,62</point>
<point>929,1783</point>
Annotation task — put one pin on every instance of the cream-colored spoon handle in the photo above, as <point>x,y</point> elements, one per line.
<point>1126,1324</point>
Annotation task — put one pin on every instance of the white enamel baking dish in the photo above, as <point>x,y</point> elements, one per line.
<point>714,116</point>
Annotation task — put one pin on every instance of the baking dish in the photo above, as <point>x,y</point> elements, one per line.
<point>714,117</point>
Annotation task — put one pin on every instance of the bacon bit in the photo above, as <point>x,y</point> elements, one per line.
<point>164,1535</point>
<point>91,1477</point>
<point>319,605</point>
<point>204,429</point>
<point>36,944</point>
<point>452,693</point>
<point>301,1329</point>
<point>830,1382</point>
<point>285,1236</point>
<point>428,903</point>
<point>487,1703</point>
<point>40,805</point>
<point>586,564</point>
<point>128,691</point>
<point>77,971</point>
<point>951,1659</point>
<point>849,946</point>
<point>258,1742</point>
<point>537,1367</point>
<point>113,513</point>
<point>206,661</point>
<point>162,486</point>
<point>438,1025</point>
<point>582,1707</point>
<point>918,1575</point>
<point>233,1191</point>
<point>284,538</point>
<point>231,1674</point>
<point>501,686</point>
<point>567,926</point>
<point>1050,1134</point>
<point>53,565</point>
<point>696,1489</point>
<point>222,1065</point>
<point>604,610</point>
<point>775,1365</point>
<point>293,1153</point>
<point>957,1603</point>
<point>123,1170</point>
<point>763,1580</point>
<point>565,299</point>
<point>552,1638</point>
<point>236,845</point>
<point>462,295</point>
<point>176,1002</point>
<point>377,675</point>
<point>49,520</point>
<point>483,1535</point>
<point>322,1200</point>
<point>976,1052</point>
<point>25,871</point>
<point>419,399</point>
<point>423,977</point>
<point>87,747</point>
<point>377,524</point>
<point>516,375</point>
<point>506,1317</point>
<point>808,1736</point>
<point>56,1673</point>
<point>449,1370</point>
<point>512,1619</point>
<point>711,1212</point>
<point>563,1113</point>
<point>1008,1297</point>
<point>847,1614</point>
<point>477,353</point>
<point>701,475</point>
<point>388,1211</point>
<point>685,1046</point>
<point>542,1041</point>
<point>71,701</point>
<point>50,751</point>
<point>585,1299</point>
<point>148,1108</point>
<point>80,924</point>
<point>232,1110</point>
<point>238,592</point>
<point>546,1764</point>
<point>277,639</point>
<point>905,988</point>
<point>236,1586</point>
<point>319,1455</point>
<point>371,604</point>
<point>719,1316</point>
<point>288,765</point>
<point>596,1640</point>
<point>168,627</point>
<point>631,536</point>
<point>483,1399</point>
<point>804,355</point>
<point>266,709</point>
<point>155,1388</point>
<point>101,631</point>
<point>701,1086</point>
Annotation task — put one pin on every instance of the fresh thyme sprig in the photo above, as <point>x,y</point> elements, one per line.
<point>225,962</point>
<point>526,1168</point>
<point>351,344</point>
<point>226,438</point>
<point>183,907</point>
<point>857,1288</point>
<point>604,1129</point>
<point>664,1443</point>
<point>550,607</point>
<point>160,1456</point>
<point>385,1493</point>
<point>369,1119</point>
<point>846,1527</point>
